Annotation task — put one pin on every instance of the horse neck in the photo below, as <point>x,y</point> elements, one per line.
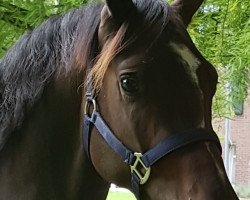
<point>44,158</point>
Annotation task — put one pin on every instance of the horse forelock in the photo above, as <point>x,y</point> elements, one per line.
<point>103,60</point>
<point>38,57</point>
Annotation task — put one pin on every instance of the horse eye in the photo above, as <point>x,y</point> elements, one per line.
<point>129,84</point>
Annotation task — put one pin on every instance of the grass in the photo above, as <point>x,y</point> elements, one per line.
<point>120,196</point>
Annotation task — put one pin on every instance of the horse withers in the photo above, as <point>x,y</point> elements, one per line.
<point>113,92</point>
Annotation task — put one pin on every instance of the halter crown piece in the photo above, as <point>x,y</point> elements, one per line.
<point>139,163</point>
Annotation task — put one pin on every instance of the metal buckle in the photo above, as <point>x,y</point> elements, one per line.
<point>89,102</point>
<point>142,173</point>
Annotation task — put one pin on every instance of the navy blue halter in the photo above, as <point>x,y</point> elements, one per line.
<point>139,161</point>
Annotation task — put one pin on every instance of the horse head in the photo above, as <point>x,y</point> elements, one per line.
<point>147,117</point>
<point>150,84</point>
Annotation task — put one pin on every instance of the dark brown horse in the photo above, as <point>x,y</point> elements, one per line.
<point>147,90</point>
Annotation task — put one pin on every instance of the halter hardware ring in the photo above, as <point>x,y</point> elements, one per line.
<point>88,103</point>
<point>144,172</point>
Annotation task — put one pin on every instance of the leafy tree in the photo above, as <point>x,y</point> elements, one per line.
<point>220,30</point>
<point>18,16</point>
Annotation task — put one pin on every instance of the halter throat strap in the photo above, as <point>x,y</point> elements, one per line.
<point>138,161</point>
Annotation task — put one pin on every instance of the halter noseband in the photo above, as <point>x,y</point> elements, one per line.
<point>140,163</point>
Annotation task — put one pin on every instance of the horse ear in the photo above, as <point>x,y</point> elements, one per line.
<point>120,9</point>
<point>186,9</point>
<point>113,14</point>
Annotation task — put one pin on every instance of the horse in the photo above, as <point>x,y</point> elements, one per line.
<point>113,92</point>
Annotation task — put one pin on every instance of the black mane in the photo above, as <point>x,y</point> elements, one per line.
<point>36,58</point>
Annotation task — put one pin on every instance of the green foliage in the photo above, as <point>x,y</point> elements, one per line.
<point>120,196</point>
<point>243,191</point>
<point>18,16</point>
<point>220,30</point>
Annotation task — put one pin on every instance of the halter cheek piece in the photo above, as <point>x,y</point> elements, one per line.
<point>140,163</point>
